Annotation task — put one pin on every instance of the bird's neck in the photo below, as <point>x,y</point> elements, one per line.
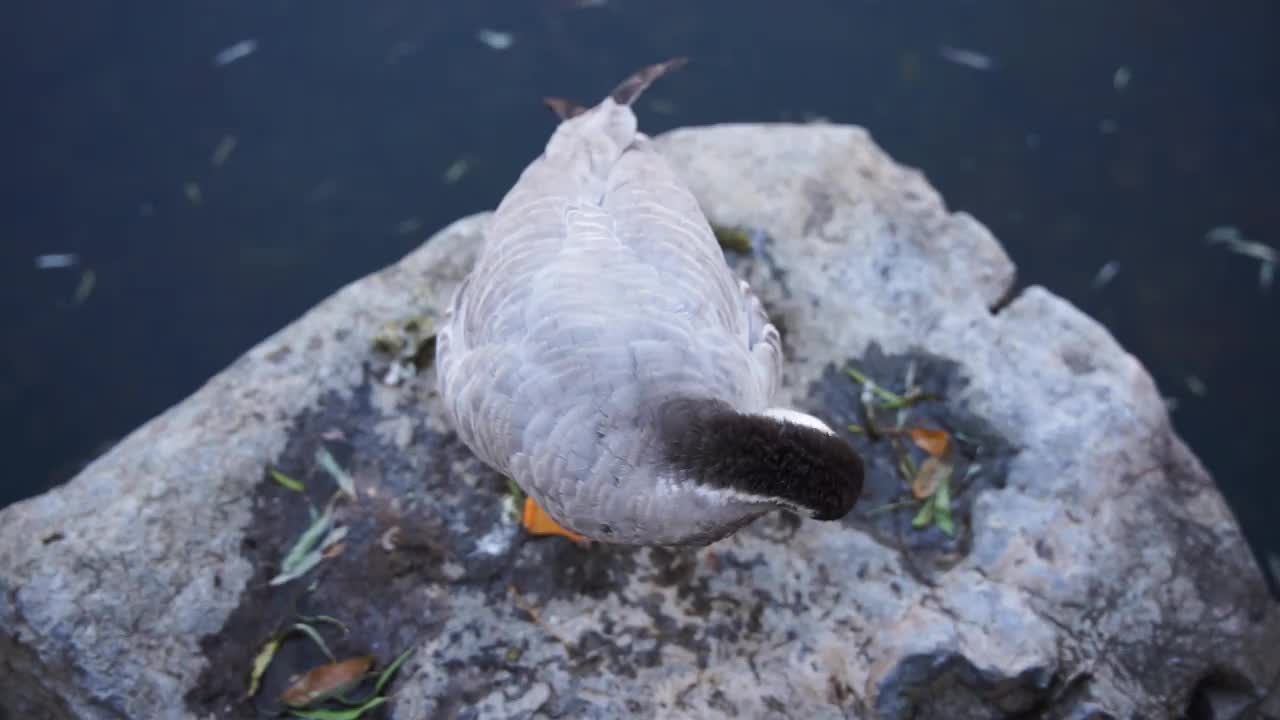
<point>781,456</point>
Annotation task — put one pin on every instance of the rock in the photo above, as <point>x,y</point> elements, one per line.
<point>1094,572</point>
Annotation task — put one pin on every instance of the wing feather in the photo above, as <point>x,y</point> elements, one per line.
<point>600,291</point>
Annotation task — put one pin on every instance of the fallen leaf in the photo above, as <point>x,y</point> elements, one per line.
<point>316,619</point>
<point>327,681</point>
<point>238,51</point>
<point>871,386</point>
<point>307,541</point>
<point>968,58</point>
<point>1106,274</point>
<point>942,506</point>
<point>342,477</point>
<point>260,663</point>
<point>928,476</point>
<point>934,442</point>
<point>495,39</point>
<point>408,226</point>
<point>287,482</point>
<point>314,634</point>
<point>456,171</point>
<point>348,714</point>
<point>305,554</point>
<point>925,516</point>
<point>385,676</point>
<point>221,153</point>
<point>54,261</point>
<point>1120,78</point>
<point>88,281</point>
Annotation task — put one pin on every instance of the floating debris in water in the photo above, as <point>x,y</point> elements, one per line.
<point>1120,78</point>
<point>402,50</point>
<point>1032,141</point>
<point>192,190</point>
<point>456,171</point>
<point>968,58</point>
<point>1236,242</point>
<point>1196,386</point>
<point>55,261</point>
<point>662,106</point>
<point>223,151</point>
<point>268,256</point>
<point>1106,274</point>
<point>1107,126</point>
<point>408,226</point>
<point>325,190</point>
<point>88,281</point>
<point>232,53</point>
<point>495,39</point>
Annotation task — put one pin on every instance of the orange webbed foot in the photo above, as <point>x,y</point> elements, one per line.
<point>538,522</point>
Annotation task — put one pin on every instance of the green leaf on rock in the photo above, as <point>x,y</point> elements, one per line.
<point>925,516</point>
<point>260,663</point>
<point>348,714</point>
<point>287,482</point>
<point>331,466</point>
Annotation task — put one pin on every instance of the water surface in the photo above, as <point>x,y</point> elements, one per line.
<point>1081,133</point>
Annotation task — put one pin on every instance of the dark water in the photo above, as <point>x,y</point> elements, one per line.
<point>349,114</point>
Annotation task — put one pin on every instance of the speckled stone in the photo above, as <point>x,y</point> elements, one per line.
<point>1095,572</point>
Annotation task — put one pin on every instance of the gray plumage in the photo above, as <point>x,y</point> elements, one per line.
<point>600,302</point>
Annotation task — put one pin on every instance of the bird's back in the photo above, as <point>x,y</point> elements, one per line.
<point>601,292</point>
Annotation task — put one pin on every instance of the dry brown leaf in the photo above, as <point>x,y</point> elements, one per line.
<point>934,442</point>
<point>926,480</point>
<point>327,681</point>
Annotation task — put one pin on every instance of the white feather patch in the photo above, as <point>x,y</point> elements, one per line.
<point>798,418</point>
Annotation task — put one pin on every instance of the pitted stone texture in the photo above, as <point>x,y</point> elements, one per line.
<point>1095,570</point>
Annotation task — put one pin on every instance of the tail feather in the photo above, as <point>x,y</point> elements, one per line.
<point>564,109</point>
<point>631,88</point>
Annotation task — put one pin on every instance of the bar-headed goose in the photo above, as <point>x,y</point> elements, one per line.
<point>602,354</point>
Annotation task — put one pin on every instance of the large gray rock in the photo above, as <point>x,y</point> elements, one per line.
<point>1095,571</point>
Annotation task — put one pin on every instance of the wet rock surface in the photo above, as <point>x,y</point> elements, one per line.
<point>1094,570</point>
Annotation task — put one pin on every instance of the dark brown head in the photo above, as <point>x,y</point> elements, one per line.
<point>784,457</point>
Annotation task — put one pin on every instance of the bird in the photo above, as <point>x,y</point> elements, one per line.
<point>602,354</point>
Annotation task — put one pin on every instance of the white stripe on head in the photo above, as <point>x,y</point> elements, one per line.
<point>798,418</point>
<point>669,488</point>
